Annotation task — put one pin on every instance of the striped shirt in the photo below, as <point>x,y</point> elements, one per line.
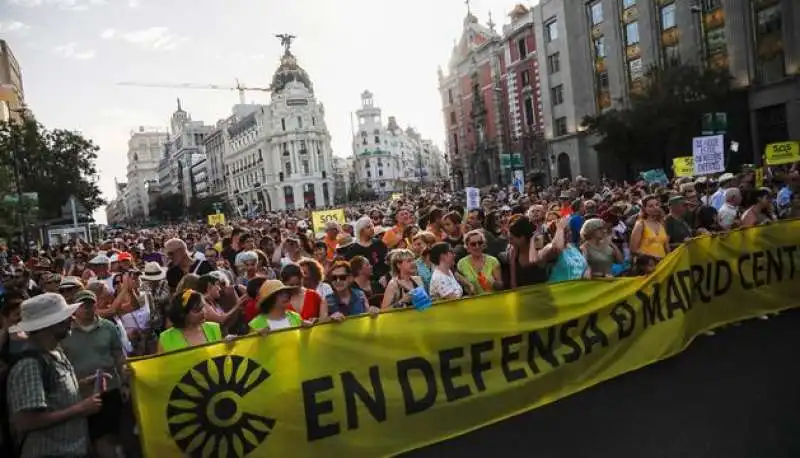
<point>26,392</point>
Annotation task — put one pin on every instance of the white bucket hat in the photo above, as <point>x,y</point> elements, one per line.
<point>153,272</point>
<point>43,311</point>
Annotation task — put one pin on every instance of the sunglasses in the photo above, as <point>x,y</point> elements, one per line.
<point>476,244</point>
<point>339,277</point>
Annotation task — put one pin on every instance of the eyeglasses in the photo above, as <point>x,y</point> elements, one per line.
<point>339,277</point>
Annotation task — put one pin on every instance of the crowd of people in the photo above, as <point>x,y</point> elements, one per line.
<point>72,314</point>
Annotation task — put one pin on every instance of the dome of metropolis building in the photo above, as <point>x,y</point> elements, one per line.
<point>289,71</point>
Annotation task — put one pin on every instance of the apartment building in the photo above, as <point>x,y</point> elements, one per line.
<point>594,54</point>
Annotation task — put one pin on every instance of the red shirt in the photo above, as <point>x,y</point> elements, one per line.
<point>311,303</point>
<point>250,309</point>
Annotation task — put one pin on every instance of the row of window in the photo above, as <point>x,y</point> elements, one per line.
<point>299,122</point>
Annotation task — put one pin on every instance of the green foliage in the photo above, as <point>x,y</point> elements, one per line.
<point>665,113</point>
<point>169,207</point>
<point>53,163</point>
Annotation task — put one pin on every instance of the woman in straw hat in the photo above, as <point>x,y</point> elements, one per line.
<point>274,304</point>
<point>189,327</point>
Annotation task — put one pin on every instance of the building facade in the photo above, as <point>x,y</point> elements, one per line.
<point>184,147</point>
<point>12,93</point>
<point>594,55</point>
<point>342,169</point>
<point>388,159</point>
<point>145,148</point>
<point>490,100</point>
<point>217,145</point>
<point>116,210</point>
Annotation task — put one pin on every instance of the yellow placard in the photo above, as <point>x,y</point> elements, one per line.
<point>683,166</point>
<point>375,387</point>
<point>782,153</point>
<point>759,177</point>
<point>322,217</point>
<point>397,196</point>
<point>215,219</point>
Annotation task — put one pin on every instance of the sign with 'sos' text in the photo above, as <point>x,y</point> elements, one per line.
<point>215,219</point>
<point>374,387</point>
<point>322,217</point>
<point>683,166</point>
<point>782,153</point>
<point>708,154</point>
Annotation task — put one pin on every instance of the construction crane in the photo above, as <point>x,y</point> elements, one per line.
<point>214,87</point>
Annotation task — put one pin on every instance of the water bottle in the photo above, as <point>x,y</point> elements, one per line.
<point>420,298</point>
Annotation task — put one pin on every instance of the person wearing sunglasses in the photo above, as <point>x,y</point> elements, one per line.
<point>345,300</point>
<point>189,327</point>
<point>479,269</point>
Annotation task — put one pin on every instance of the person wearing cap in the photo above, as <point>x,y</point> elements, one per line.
<point>43,391</point>
<point>69,286</point>
<point>181,262</point>
<point>275,309</point>
<point>598,248</point>
<point>189,328</point>
<point>726,181</point>
<point>678,230</point>
<point>100,269</point>
<point>93,345</point>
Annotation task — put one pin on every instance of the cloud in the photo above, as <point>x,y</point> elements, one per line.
<point>134,3</point>
<point>155,38</point>
<point>108,34</point>
<point>70,51</point>
<point>69,5</point>
<point>13,26</point>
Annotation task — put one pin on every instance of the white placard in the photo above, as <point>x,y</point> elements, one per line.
<point>708,154</point>
<point>473,198</point>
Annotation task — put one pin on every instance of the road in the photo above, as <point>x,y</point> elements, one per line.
<point>733,395</point>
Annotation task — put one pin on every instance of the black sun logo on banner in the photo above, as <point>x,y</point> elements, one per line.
<point>206,413</point>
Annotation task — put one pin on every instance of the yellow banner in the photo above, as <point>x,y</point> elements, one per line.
<point>322,217</point>
<point>215,219</point>
<point>782,153</point>
<point>374,387</point>
<point>683,166</point>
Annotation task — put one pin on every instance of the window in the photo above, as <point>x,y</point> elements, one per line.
<point>769,20</point>
<point>600,47</point>
<point>380,173</point>
<point>632,33</point>
<point>553,63</point>
<point>560,126</point>
<point>305,167</point>
<point>715,40</point>
<point>529,119</point>
<point>668,17</point>
<point>452,117</point>
<point>288,168</point>
<point>636,69</point>
<point>525,77</point>
<point>602,81</point>
<point>299,122</point>
<point>672,55</point>
<point>522,48</point>
<point>597,13</point>
<point>450,95</point>
<point>557,94</point>
<point>313,121</point>
<point>628,3</point>
<point>283,124</point>
<point>377,140</point>
<point>551,31</point>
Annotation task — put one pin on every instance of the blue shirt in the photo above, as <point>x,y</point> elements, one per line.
<point>571,265</point>
<point>575,225</point>
<point>784,197</point>
<point>356,306</point>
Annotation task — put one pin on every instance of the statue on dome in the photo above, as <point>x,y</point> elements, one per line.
<point>286,41</point>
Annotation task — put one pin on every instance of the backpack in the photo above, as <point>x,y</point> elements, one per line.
<point>10,447</point>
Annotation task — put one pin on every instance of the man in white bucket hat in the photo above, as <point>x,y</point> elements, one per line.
<point>44,400</point>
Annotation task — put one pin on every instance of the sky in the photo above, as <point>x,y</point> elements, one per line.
<point>73,54</point>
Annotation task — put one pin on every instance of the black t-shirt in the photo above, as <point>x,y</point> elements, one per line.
<point>175,273</point>
<point>375,254</point>
<point>677,229</point>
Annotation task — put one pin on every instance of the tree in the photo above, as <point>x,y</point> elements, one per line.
<point>55,164</point>
<point>665,113</point>
<point>169,207</point>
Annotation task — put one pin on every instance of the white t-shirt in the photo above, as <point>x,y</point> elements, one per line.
<point>727,215</point>
<point>324,290</point>
<point>283,323</point>
<point>444,285</point>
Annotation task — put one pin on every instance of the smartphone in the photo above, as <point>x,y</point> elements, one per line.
<point>99,381</point>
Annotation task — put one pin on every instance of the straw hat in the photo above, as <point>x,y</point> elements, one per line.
<point>271,288</point>
<point>43,311</point>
